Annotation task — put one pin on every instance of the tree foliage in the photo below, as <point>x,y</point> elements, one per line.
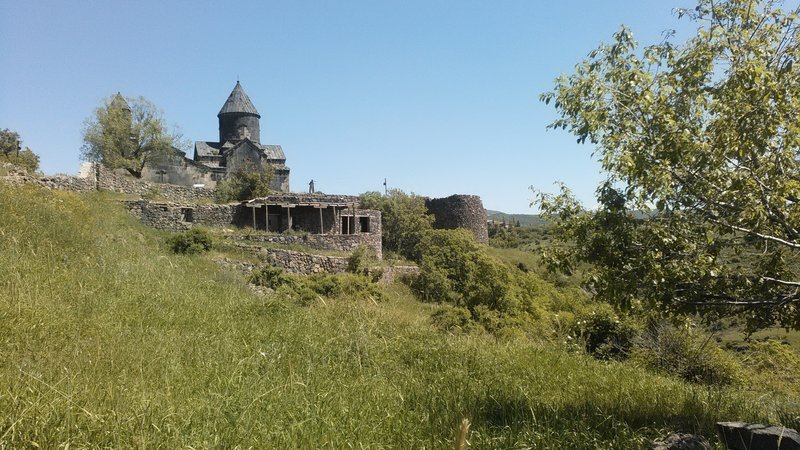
<point>244,184</point>
<point>404,219</point>
<point>706,135</point>
<point>126,133</point>
<point>11,151</point>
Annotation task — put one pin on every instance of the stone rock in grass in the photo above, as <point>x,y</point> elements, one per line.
<point>754,436</point>
<point>681,441</point>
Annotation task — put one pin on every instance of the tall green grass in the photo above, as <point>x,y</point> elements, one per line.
<point>109,340</point>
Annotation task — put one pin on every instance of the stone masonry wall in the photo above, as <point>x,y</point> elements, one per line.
<point>68,183</point>
<point>303,263</point>
<point>460,211</point>
<point>102,178</point>
<point>16,175</point>
<point>120,181</point>
<point>333,242</point>
<point>176,217</point>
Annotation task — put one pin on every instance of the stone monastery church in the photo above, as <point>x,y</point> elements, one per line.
<point>239,148</point>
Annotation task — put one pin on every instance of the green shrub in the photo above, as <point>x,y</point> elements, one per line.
<point>344,285</point>
<point>685,353</point>
<point>455,269</point>
<point>272,277</point>
<point>308,289</point>
<point>604,334</point>
<point>195,240</point>
<point>453,319</point>
<point>363,261</point>
<point>774,364</point>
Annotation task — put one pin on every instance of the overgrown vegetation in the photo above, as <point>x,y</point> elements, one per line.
<point>311,289</point>
<point>363,261</point>
<point>686,352</point>
<point>194,240</point>
<point>11,151</point>
<point>109,340</point>
<point>244,184</point>
<point>404,220</point>
<point>528,237</point>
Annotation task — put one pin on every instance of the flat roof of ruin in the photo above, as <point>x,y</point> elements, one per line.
<point>315,200</point>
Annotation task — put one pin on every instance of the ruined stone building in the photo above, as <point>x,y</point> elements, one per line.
<point>322,221</point>
<point>239,148</point>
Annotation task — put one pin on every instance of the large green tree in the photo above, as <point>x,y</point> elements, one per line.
<point>705,135</point>
<point>126,133</point>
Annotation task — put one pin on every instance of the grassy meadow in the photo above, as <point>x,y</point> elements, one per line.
<point>108,340</point>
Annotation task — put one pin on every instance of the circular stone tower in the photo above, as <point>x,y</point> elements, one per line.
<point>460,211</point>
<point>238,118</point>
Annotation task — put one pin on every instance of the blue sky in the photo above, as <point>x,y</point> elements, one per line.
<point>438,97</point>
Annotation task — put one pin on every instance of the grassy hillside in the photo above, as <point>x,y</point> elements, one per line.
<point>107,340</point>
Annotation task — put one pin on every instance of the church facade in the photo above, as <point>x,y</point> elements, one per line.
<point>239,148</point>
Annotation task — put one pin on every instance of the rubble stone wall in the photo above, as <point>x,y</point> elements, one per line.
<point>332,242</point>
<point>303,263</point>
<point>177,217</point>
<point>121,181</point>
<point>99,177</point>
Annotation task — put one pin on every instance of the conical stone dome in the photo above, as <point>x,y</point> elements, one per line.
<point>238,103</point>
<point>238,118</point>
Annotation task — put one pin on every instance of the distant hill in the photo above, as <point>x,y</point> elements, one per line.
<point>535,219</point>
<point>524,219</point>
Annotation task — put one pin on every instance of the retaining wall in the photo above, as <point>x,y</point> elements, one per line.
<point>332,242</point>
<point>303,263</point>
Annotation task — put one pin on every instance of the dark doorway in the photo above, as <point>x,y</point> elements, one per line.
<point>348,225</point>
<point>187,214</point>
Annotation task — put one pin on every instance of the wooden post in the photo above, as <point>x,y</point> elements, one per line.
<point>254,216</point>
<point>336,223</point>
<point>266,217</point>
<point>288,218</point>
<point>321,223</point>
